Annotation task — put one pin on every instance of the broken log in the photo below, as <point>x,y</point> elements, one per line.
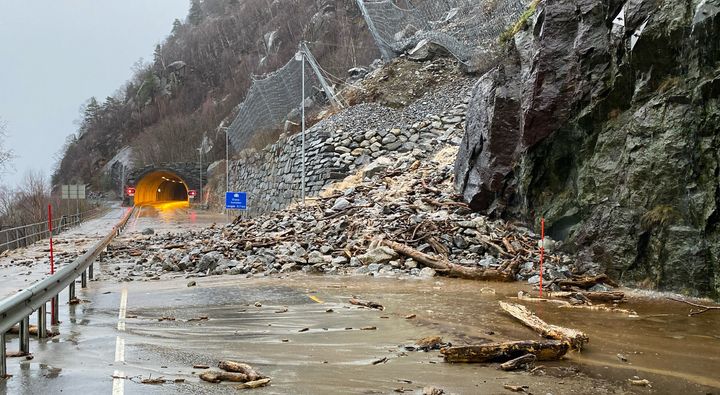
<point>585,282</point>
<point>701,308</point>
<point>254,384</point>
<point>239,367</point>
<point>216,377</point>
<point>518,363</point>
<point>610,296</point>
<point>574,338</point>
<point>367,303</point>
<point>548,350</point>
<point>448,268</point>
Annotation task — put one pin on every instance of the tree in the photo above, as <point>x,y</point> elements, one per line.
<point>195,16</point>
<point>6,154</point>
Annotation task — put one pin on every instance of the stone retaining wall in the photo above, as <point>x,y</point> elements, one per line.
<point>335,148</point>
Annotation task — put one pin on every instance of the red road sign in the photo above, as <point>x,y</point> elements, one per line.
<point>130,191</point>
<point>192,193</point>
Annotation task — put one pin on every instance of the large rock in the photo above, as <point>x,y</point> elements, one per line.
<point>611,132</point>
<point>378,255</point>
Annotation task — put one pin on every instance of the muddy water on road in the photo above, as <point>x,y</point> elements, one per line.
<point>171,217</point>
<point>247,321</point>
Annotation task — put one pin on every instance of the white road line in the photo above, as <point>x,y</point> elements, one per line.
<point>118,383</point>
<point>119,349</point>
<point>123,310</point>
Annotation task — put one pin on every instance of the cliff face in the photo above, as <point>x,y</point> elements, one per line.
<point>604,118</point>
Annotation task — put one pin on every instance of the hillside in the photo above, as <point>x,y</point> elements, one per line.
<point>200,73</point>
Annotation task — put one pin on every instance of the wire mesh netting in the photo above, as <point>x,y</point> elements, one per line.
<point>273,100</point>
<point>466,28</point>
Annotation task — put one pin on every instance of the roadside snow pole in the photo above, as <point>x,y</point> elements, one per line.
<point>53,302</point>
<point>542,252</point>
<point>302,122</point>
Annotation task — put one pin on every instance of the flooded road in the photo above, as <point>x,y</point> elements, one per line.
<point>308,350</point>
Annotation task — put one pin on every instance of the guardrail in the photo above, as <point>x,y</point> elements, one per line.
<point>19,307</point>
<point>24,235</point>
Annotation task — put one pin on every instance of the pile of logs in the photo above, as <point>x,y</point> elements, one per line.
<point>236,372</point>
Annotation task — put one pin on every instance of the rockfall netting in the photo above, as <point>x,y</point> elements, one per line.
<point>466,28</point>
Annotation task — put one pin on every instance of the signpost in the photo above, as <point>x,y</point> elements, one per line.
<point>236,200</point>
<point>73,191</point>
<point>192,194</point>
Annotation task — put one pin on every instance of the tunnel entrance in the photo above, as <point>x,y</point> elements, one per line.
<point>160,186</point>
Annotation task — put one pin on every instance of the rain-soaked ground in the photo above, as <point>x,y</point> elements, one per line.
<point>118,332</point>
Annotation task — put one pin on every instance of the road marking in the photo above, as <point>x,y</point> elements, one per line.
<point>315,299</point>
<point>118,383</point>
<point>123,310</point>
<point>119,349</point>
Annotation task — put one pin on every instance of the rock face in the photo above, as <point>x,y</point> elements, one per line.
<point>604,118</point>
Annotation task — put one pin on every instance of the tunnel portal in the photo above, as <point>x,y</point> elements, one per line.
<point>160,186</point>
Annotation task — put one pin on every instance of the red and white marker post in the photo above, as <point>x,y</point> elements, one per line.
<point>52,262</point>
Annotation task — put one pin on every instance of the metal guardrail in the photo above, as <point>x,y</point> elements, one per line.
<point>22,236</point>
<point>19,307</point>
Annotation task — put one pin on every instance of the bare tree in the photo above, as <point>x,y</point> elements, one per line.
<point>6,154</point>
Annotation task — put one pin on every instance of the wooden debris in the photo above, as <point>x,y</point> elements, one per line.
<point>433,391</point>
<point>574,338</point>
<point>429,342</point>
<point>502,352</point>
<point>585,282</point>
<point>701,308</point>
<point>33,330</point>
<point>610,296</point>
<point>522,362</point>
<point>442,265</point>
<point>166,319</point>
<point>201,318</point>
<point>239,367</point>
<point>216,377</point>
<point>409,317</point>
<point>254,384</point>
<point>368,328</point>
<point>200,366</point>
<point>367,303</point>
<point>151,380</point>
<point>565,304</point>
<point>516,388</point>
<point>639,382</point>
<point>16,354</point>
<point>379,361</point>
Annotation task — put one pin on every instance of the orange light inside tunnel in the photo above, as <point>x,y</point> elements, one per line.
<point>161,187</point>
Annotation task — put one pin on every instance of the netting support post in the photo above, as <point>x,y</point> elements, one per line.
<point>302,121</point>
<point>313,63</point>
<point>386,55</point>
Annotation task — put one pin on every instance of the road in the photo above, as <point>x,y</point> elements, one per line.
<point>301,331</point>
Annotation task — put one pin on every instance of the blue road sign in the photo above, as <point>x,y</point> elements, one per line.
<point>236,200</point>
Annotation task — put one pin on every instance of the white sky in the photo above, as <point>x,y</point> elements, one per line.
<point>55,54</point>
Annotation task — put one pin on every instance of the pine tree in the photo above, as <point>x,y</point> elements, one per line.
<point>195,16</point>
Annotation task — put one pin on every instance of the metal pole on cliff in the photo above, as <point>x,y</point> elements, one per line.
<point>542,252</point>
<point>227,168</point>
<point>302,106</point>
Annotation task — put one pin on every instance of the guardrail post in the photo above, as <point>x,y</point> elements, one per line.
<point>42,321</point>
<point>83,279</point>
<point>71,290</point>
<point>90,270</point>
<point>56,308</point>
<point>3,357</point>
<point>25,335</point>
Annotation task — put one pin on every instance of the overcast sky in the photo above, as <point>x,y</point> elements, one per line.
<point>55,54</point>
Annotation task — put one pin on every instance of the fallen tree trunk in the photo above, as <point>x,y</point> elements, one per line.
<point>610,296</point>
<point>254,384</point>
<point>448,268</point>
<point>239,367</point>
<point>585,282</point>
<point>216,377</point>
<point>502,352</point>
<point>367,303</point>
<point>574,338</point>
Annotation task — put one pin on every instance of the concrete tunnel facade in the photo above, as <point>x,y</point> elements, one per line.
<point>168,183</point>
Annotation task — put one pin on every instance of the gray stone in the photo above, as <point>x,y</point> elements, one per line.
<point>341,204</point>
<point>378,255</point>
<point>427,272</point>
